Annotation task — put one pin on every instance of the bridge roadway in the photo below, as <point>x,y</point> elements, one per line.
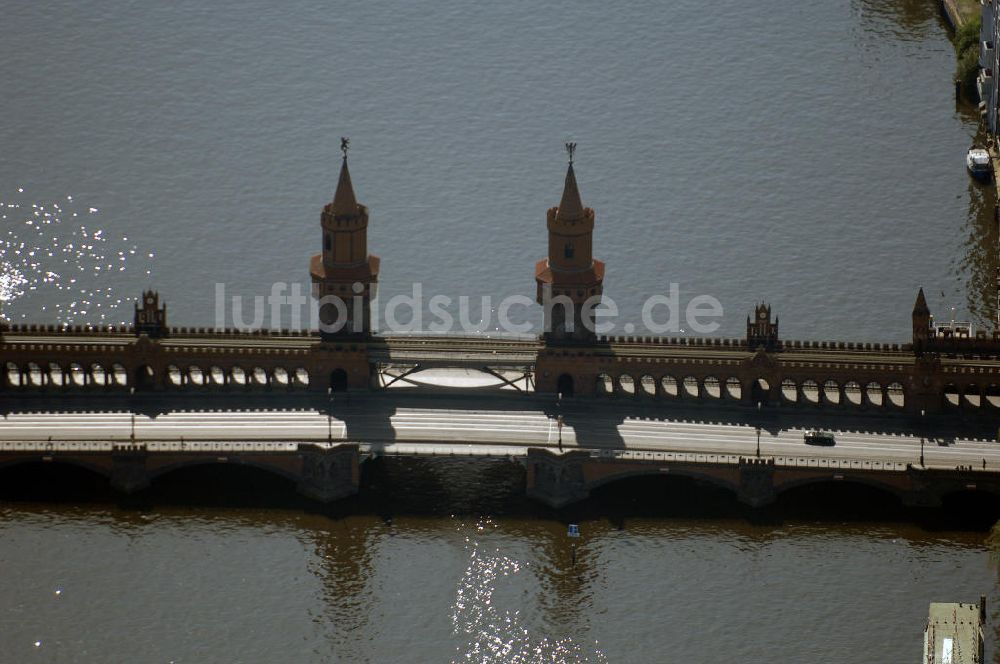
<point>500,425</point>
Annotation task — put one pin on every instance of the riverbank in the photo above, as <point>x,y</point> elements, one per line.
<point>965,19</point>
<point>960,12</point>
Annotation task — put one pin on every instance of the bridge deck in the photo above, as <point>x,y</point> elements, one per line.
<point>457,424</point>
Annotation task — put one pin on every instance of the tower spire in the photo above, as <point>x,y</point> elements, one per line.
<point>920,306</point>
<point>345,204</point>
<point>921,322</point>
<point>571,206</point>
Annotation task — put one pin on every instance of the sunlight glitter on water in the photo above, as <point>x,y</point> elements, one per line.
<point>499,635</point>
<point>51,262</point>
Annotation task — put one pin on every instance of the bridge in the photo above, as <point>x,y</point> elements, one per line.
<point>579,409</point>
<point>320,444</point>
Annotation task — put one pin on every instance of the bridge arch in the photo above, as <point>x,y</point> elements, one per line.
<point>789,391</point>
<point>734,388</point>
<point>210,460</point>
<point>970,396</point>
<point>57,459</point>
<point>951,396</point>
<point>55,374</point>
<point>338,380</point>
<point>669,386</point>
<point>96,375</point>
<point>259,377</point>
<point>301,377</point>
<point>604,384</point>
<point>626,384</point>
<point>143,377</point>
<point>691,387</point>
<point>238,376</point>
<point>34,375</point>
<point>981,504</point>
<point>195,376</point>
<point>832,481</point>
<point>174,377</point>
<point>654,471</point>
<point>831,392</point>
<point>564,385</point>
<point>216,376</point>
<point>760,390</point>
<point>852,394</point>
<point>13,375</point>
<point>810,392</point>
<point>874,395</point>
<point>76,375</point>
<point>279,377</point>
<point>118,375</point>
<point>991,396</point>
<point>711,387</point>
<point>896,395</point>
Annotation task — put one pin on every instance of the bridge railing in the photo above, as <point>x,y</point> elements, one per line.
<point>56,446</point>
<point>73,446</point>
<point>734,459</point>
<point>220,446</point>
<point>783,345</point>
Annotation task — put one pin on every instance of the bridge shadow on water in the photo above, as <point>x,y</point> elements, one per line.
<point>492,487</point>
<point>822,504</point>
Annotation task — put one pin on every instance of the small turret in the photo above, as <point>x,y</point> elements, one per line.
<point>150,317</point>
<point>761,331</point>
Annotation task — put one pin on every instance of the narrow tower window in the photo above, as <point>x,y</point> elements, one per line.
<point>326,242</point>
<point>568,250</point>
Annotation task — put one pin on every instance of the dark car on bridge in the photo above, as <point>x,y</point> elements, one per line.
<point>817,437</point>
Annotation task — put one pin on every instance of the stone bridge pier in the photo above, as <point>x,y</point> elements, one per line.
<point>329,474</point>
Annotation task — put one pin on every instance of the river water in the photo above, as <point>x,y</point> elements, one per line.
<point>809,154</point>
<point>444,561</point>
<point>806,153</point>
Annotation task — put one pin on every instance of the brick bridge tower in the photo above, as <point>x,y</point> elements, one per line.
<point>345,275</point>
<point>570,276</point>
<point>921,322</point>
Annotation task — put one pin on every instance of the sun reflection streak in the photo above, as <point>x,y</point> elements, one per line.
<point>50,261</point>
<point>499,635</point>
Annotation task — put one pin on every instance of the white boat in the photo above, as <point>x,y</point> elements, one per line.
<point>977,160</point>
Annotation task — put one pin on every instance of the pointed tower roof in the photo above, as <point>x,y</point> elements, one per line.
<point>570,207</point>
<point>345,204</point>
<point>920,306</point>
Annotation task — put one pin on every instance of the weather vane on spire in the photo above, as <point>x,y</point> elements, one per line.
<point>345,145</point>
<point>570,149</point>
